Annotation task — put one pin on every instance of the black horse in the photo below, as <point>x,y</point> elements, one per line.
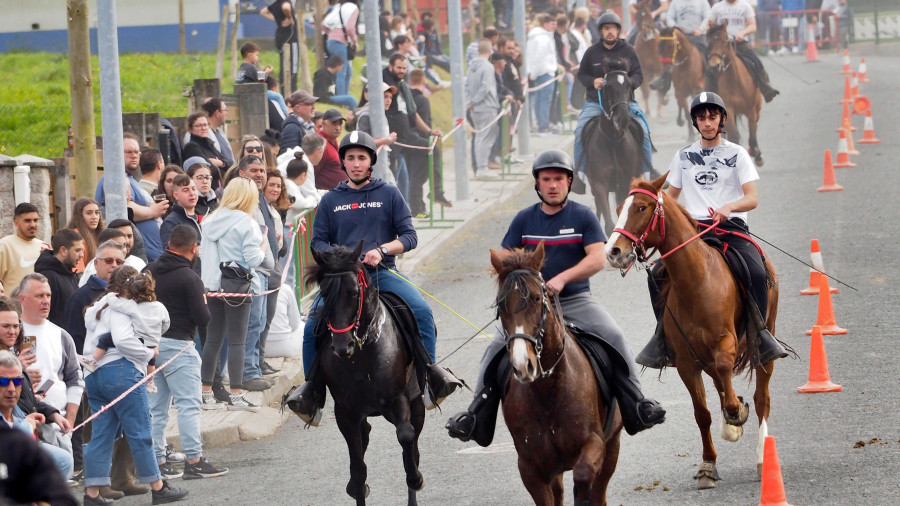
<point>612,143</point>
<point>369,371</point>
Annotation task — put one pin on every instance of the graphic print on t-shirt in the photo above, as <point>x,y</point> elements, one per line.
<point>709,177</point>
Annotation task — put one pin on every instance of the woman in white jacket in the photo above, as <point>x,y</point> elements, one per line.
<point>540,54</point>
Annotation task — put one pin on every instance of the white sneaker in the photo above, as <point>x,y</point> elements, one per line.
<point>210,402</point>
<point>151,387</point>
<point>240,403</point>
<point>795,49</point>
<point>781,52</point>
<point>770,53</point>
<point>87,363</point>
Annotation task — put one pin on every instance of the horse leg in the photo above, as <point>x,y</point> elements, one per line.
<point>761,402</point>
<point>734,410</point>
<point>731,126</point>
<point>542,492</point>
<point>351,427</point>
<point>586,469</point>
<point>399,415</point>
<point>601,202</point>
<point>645,96</point>
<point>707,475</point>
<point>752,121</point>
<point>610,459</point>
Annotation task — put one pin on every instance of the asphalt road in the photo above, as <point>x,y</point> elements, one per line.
<point>816,434</point>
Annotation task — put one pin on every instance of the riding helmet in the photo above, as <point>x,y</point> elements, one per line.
<point>552,159</point>
<point>610,18</point>
<point>358,139</point>
<point>706,99</point>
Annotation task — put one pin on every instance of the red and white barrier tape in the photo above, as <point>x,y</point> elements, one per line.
<point>124,394</point>
<point>503,112</point>
<point>544,85</point>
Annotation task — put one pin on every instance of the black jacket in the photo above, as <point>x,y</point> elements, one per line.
<point>31,475</point>
<point>511,79</point>
<point>292,132</point>
<point>206,206</point>
<point>63,283</point>
<point>181,291</point>
<point>203,146</point>
<point>82,298</point>
<point>595,63</point>
<point>423,106</point>
<point>323,85</point>
<point>28,403</point>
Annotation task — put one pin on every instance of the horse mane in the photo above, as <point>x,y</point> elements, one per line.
<point>337,259</point>
<point>516,259</point>
<point>715,29</point>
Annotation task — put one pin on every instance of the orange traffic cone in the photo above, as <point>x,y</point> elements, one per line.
<point>846,61</point>
<point>846,122</point>
<point>854,86</point>
<point>861,105</point>
<point>869,131</point>
<point>851,149</point>
<point>825,319</point>
<point>818,267</point>
<point>830,183</point>
<point>812,52</point>
<point>819,379</point>
<point>772,487</point>
<point>843,155</point>
<point>847,92</point>
<point>862,71</point>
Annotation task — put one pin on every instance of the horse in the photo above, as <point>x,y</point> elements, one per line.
<point>369,370</point>
<point>553,406</point>
<point>687,72</point>
<point>612,143</point>
<point>647,48</point>
<point>703,313</point>
<point>736,86</point>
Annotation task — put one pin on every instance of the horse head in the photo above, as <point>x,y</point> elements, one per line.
<point>720,51</point>
<point>523,308</point>
<point>644,20</point>
<point>641,224</point>
<point>346,303</point>
<point>616,94</point>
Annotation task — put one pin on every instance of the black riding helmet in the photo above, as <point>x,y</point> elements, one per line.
<point>358,139</point>
<point>610,18</point>
<point>552,159</point>
<point>705,100</point>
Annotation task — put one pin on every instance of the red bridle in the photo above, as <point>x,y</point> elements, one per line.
<point>362,295</point>
<point>658,219</point>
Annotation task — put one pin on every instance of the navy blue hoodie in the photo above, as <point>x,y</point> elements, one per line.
<point>375,213</point>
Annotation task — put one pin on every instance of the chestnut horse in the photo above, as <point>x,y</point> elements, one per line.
<point>687,72</point>
<point>552,408</point>
<point>647,48</point>
<point>736,86</point>
<point>703,313</point>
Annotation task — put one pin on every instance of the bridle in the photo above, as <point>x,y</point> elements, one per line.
<point>537,341</point>
<point>608,114</point>
<point>658,219</point>
<point>353,327</point>
<point>724,57</point>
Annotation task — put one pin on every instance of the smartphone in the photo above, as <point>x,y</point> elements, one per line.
<point>29,342</point>
<point>45,386</point>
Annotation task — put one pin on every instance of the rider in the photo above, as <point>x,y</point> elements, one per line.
<point>657,9</point>
<point>690,17</point>
<point>741,23</point>
<point>367,209</point>
<point>574,244</point>
<point>718,175</point>
<point>594,65</point>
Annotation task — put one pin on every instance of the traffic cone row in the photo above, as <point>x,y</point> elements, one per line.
<point>846,61</point>
<point>830,183</point>
<point>812,52</point>
<point>846,122</point>
<point>847,91</point>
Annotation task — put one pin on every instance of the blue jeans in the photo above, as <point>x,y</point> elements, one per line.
<point>62,458</point>
<point>179,381</point>
<point>254,329</point>
<point>593,109</point>
<point>382,279</point>
<point>131,414</point>
<point>402,176</point>
<point>345,100</point>
<point>342,78</point>
<point>541,100</point>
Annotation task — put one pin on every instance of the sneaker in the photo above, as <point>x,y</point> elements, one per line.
<point>256,385</point>
<point>88,500</point>
<point>89,365</point>
<point>240,403</point>
<point>110,493</point>
<point>168,494</point>
<point>172,455</point>
<point>781,52</point>
<point>210,402</point>
<point>422,215</point>
<point>220,392</point>
<point>442,200</point>
<point>202,469</point>
<point>494,165</point>
<point>169,471</point>
<point>516,161</point>
<point>151,387</point>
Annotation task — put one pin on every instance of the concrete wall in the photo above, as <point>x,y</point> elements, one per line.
<point>40,195</point>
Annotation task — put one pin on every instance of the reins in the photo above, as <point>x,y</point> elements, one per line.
<point>354,327</point>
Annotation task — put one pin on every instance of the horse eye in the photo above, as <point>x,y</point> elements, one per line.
<point>642,208</point>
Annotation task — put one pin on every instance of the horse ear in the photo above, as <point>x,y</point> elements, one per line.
<point>660,181</point>
<point>497,260</point>
<point>538,256</point>
<point>358,251</point>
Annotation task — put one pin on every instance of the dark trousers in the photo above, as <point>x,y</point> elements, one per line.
<point>754,64</point>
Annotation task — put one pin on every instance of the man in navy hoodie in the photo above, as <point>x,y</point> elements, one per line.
<point>367,209</point>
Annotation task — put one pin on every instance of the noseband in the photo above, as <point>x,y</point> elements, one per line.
<point>658,219</point>
<point>537,341</point>
<point>354,327</point>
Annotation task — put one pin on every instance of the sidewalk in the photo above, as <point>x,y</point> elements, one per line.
<point>222,427</point>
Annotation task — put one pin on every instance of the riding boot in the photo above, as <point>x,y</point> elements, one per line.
<point>768,92</point>
<point>663,82</point>
<point>768,348</point>
<point>578,185</point>
<point>638,412</point>
<point>656,353</point>
<point>307,401</point>
<point>479,420</point>
<point>441,383</point>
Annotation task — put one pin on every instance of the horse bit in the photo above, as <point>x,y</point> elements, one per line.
<point>538,341</point>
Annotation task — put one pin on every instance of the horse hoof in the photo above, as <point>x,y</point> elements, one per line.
<point>353,495</point>
<point>417,485</point>
<point>707,476</point>
<point>759,161</point>
<point>705,483</point>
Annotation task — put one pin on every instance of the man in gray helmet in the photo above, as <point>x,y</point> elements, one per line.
<point>574,247</point>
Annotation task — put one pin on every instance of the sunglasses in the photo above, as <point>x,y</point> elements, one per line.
<point>253,149</point>
<point>4,381</point>
<point>110,261</point>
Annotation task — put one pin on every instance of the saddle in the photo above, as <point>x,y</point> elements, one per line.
<point>405,319</point>
<point>741,273</point>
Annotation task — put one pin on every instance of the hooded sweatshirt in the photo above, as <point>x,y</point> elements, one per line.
<point>63,283</point>
<point>148,319</point>
<point>375,214</point>
<point>230,235</point>
<point>540,53</point>
<point>181,291</point>
<point>121,327</point>
<point>596,63</point>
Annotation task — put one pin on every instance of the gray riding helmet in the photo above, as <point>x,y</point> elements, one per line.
<point>358,139</point>
<point>610,18</point>
<point>552,159</point>
<point>706,99</point>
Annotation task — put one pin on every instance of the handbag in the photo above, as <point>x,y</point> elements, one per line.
<point>351,48</point>
<point>235,278</point>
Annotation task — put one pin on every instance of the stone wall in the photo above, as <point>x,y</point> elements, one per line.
<point>40,195</point>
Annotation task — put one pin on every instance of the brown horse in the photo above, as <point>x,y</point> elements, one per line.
<point>647,47</point>
<point>552,408</point>
<point>736,86</point>
<point>687,72</point>
<point>703,313</point>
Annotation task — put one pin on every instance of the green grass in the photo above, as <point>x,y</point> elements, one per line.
<point>35,100</point>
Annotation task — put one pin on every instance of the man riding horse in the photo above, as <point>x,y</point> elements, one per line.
<point>718,181</point>
<point>574,244</point>
<point>690,17</point>
<point>595,65</point>
<point>741,22</point>
<point>368,210</point>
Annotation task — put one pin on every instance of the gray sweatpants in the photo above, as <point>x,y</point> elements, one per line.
<point>586,313</point>
<point>483,141</point>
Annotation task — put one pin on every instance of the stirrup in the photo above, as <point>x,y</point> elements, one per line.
<point>461,425</point>
<point>578,185</point>
<point>301,400</point>
<point>768,347</point>
<point>442,383</point>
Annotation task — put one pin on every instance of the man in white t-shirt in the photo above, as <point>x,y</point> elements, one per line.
<point>741,24</point>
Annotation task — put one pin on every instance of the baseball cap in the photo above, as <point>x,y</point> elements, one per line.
<point>384,87</point>
<point>302,97</point>
<point>194,160</point>
<point>333,115</point>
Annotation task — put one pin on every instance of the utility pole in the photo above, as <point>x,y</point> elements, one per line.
<point>320,6</point>
<point>115,182</point>
<point>181,44</point>
<point>81,82</point>
<point>524,125</point>
<point>460,158</point>
<point>376,96</point>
